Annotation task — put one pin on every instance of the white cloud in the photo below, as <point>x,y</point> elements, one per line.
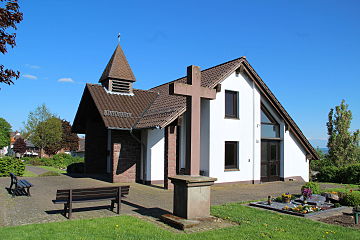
<point>29,76</point>
<point>70,80</point>
<point>32,66</point>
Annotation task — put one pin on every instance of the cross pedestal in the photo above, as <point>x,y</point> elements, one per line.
<point>192,196</point>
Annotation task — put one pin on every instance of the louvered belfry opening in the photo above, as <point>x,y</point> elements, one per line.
<point>120,86</point>
<point>118,76</point>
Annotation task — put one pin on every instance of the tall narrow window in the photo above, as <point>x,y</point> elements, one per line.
<point>231,104</point>
<point>231,155</point>
<point>269,127</point>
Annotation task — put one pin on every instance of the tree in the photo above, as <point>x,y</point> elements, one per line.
<point>70,140</point>
<point>41,114</point>
<point>47,134</point>
<point>5,129</point>
<point>9,17</point>
<point>38,128</point>
<point>343,145</point>
<point>19,146</point>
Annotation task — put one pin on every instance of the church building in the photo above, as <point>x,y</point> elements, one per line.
<point>245,134</point>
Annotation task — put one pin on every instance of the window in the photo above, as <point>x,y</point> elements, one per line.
<point>231,155</point>
<point>231,104</point>
<point>269,127</point>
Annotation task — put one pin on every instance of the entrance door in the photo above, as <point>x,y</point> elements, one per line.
<point>270,160</point>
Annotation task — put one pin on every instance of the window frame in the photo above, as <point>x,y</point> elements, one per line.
<point>273,123</point>
<point>235,166</point>
<point>235,104</point>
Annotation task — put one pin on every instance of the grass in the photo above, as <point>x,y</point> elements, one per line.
<point>254,224</point>
<point>341,188</point>
<point>29,174</point>
<point>52,169</point>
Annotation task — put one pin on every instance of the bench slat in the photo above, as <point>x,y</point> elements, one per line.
<point>84,200</point>
<point>90,193</point>
<point>27,182</point>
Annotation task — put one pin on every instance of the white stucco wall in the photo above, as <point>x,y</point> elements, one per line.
<point>295,162</point>
<point>245,130</point>
<point>154,155</point>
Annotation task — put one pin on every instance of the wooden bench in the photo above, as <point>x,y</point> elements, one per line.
<point>70,196</point>
<point>19,185</point>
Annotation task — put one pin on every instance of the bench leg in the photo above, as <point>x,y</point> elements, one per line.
<point>65,209</point>
<point>28,192</point>
<point>112,205</point>
<point>70,210</point>
<point>118,205</point>
<point>356,216</point>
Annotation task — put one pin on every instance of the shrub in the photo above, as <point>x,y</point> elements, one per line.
<point>11,165</point>
<point>347,174</point>
<point>61,160</point>
<point>350,198</point>
<point>328,174</point>
<point>49,173</point>
<point>315,187</point>
<point>76,168</point>
<point>350,174</point>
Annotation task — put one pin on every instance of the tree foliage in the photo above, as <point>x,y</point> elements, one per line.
<point>70,140</point>
<point>41,114</point>
<point>343,144</point>
<point>5,129</point>
<point>19,146</point>
<point>9,17</point>
<point>47,133</point>
<point>43,129</point>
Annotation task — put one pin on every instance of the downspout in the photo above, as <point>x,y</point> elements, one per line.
<point>254,133</point>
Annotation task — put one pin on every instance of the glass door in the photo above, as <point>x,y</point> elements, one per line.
<point>270,160</point>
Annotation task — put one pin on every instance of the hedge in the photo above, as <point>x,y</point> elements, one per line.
<point>11,165</point>
<point>348,174</point>
<point>61,160</point>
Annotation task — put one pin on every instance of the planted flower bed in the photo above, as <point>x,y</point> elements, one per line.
<point>306,204</point>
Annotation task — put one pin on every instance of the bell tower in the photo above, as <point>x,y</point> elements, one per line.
<point>118,76</point>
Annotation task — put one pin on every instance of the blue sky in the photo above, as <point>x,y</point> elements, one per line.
<point>307,52</point>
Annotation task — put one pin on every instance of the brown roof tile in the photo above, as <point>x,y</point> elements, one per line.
<point>135,105</point>
<point>118,67</point>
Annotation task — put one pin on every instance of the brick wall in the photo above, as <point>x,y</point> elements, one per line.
<point>170,155</point>
<point>95,147</point>
<point>126,155</point>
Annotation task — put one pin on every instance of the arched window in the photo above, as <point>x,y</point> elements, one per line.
<point>270,128</point>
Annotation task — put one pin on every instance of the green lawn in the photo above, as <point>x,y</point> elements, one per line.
<point>254,224</point>
<point>52,169</point>
<point>29,174</point>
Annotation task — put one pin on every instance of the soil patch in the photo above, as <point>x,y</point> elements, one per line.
<point>345,220</point>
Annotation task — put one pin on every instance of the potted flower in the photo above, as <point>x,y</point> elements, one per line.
<point>286,197</point>
<point>306,193</point>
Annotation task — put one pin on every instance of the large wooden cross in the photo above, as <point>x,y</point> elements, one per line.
<point>193,92</point>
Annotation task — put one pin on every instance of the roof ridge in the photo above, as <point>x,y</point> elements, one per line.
<point>233,60</point>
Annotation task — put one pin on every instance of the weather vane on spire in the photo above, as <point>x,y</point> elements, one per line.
<point>119,37</point>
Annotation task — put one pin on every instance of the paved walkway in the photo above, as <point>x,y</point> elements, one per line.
<point>142,200</point>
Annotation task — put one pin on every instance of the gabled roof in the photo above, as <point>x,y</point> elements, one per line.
<point>157,108</point>
<point>118,67</point>
<point>106,104</point>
